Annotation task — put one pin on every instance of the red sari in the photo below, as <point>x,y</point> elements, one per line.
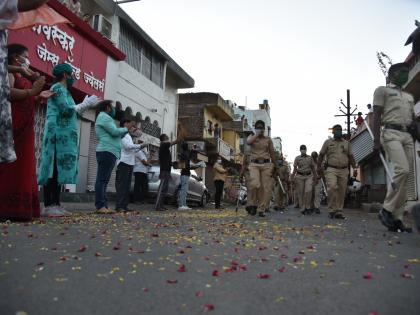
<point>18,186</point>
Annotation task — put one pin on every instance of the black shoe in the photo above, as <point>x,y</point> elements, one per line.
<point>161,209</point>
<point>276,208</point>
<point>401,227</point>
<point>339,215</point>
<point>261,214</point>
<point>306,212</point>
<point>317,211</point>
<point>253,210</point>
<point>416,215</point>
<point>387,219</point>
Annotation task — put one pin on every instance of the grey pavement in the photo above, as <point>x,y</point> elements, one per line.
<point>207,261</point>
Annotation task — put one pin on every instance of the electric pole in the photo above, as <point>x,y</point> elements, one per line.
<point>348,113</point>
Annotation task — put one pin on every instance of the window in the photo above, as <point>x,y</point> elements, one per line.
<point>140,56</point>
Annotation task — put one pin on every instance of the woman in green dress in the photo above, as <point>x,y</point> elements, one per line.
<point>60,145</point>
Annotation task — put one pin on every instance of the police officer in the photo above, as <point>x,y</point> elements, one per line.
<point>280,194</point>
<point>316,191</point>
<point>394,110</point>
<point>303,173</point>
<point>338,155</point>
<point>261,170</point>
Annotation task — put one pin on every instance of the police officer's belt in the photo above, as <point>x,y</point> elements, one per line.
<point>304,173</point>
<point>397,127</point>
<point>338,167</point>
<point>260,161</point>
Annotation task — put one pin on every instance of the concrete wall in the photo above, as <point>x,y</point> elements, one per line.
<point>232,138</point>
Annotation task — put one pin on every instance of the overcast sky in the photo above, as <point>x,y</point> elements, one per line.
<point>300,55</point>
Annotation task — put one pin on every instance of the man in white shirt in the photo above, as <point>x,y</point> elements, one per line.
<point>141,181</point>
<point>125,167</point>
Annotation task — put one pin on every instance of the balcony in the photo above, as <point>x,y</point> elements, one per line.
<point>413,85</point>
<point>216,146</point>
<point>150,129</point>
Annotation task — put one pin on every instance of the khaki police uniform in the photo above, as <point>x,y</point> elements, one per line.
<point>397,113</point>
<point>316,198</point>
<point>280,196</point>
<point>337,154</point>
<point>304,181</point>
<point>260,172</point>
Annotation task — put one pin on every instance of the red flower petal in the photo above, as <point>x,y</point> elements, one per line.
<point>263,276</point>
<point>243,267</point>
<point>208,307</point>
<point>373,313</point>
<point>407,276</point>
<point>301,252</point>
<point>199,294</point>
<point>368,276</point>
<point>262,248</point>
<point>182,268</point>
<point>172,281</point>
<point>98,254</point>
<point>145,290</point>
<point>116,247</point>
<point>215,273</point>
<point>155,235</point>
<point>82,248</point>
<point>282,269</point>
<point>283,256</point>
<point>228,270</point>
<point>234,263</point>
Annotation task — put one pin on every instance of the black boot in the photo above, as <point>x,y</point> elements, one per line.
<point>400,226</point>
<point>387,219</point>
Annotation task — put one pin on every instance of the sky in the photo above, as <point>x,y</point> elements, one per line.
<point>301,56</point>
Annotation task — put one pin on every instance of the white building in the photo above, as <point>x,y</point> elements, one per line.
<point>277,144</point>
<point>146,84</point>
<point>252,115</point>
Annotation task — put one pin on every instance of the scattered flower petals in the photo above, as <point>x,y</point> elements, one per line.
<point>215,273</point>
<point>172,281</point>
<point>281,270</point>
<point>82,249</point>
<point>182,268</point>
<point>407,275</point>
<point>208,307</point>
<point>263,276</point>
<point>368,276</point>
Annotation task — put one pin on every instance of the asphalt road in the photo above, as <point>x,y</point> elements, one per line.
<point>207,261</point>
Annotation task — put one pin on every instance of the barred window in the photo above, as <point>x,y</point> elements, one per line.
<point>140,56</point>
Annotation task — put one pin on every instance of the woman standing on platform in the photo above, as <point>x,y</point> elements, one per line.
<point>18,186</point>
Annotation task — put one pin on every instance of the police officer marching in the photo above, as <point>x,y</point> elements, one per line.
<point>316,191</point>
<point>280,192</point>
<point>393,109</point>
<point>338,154</point>
<point>261,170</point>
<point>304,174</point>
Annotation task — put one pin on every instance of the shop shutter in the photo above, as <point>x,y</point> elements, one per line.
<point>412,191</point>
<point>93,165</point>
<point>362,146</point>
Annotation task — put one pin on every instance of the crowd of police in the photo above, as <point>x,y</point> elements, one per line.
<point>395,130</point>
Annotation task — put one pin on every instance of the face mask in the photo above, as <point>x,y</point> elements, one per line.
<point>112,113</point>
<point>259,131</point>
<point>219,161</point>
<point>402,78</point>
<point>69,82</point>
<point>26,63</point>
<point>303,152</point>
<point>338,134</point>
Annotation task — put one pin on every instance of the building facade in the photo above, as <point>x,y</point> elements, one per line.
<point>114,59</point>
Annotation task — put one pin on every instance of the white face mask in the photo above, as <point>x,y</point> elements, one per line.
<point>26,63</point>
<point>259,131</point>
<point>219,161</point>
